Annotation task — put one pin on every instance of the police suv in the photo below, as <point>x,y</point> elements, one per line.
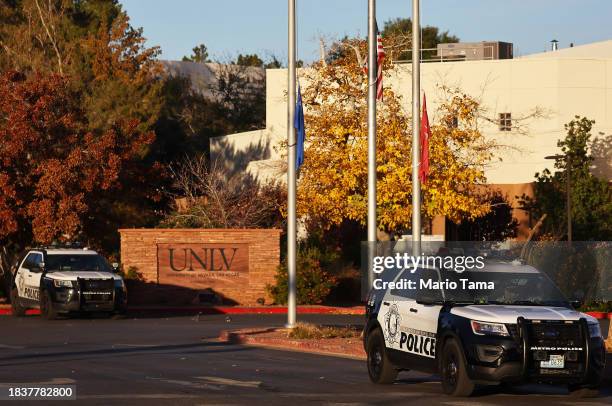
<point>506,323</point>
<point>66,280</point>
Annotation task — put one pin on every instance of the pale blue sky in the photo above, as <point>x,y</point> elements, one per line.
<point>229,27</point>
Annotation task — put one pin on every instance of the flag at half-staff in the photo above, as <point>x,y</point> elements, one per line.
<point>424,136</point>
<point>380,57</point>
<point>300,129</point>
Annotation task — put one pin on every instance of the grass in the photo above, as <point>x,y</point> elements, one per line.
<point>313,331</point>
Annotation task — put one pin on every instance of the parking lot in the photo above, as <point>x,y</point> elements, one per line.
<point>178,361</point>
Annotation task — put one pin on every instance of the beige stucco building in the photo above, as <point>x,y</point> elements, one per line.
<point>563,84</point>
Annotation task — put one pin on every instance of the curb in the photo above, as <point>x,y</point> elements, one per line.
<point>351,311</point>
<point>243,338</point>
<point>600,315</point>
<point>354,311</point>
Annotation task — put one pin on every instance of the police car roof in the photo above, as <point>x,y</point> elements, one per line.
<point>509,267</point>
<point>69,251</point>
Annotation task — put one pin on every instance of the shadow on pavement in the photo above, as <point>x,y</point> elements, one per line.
<point>211,346</point>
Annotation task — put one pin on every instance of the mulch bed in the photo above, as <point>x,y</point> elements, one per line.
<point>277,338</point>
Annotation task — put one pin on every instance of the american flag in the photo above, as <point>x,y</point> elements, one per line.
<point>380,57</point>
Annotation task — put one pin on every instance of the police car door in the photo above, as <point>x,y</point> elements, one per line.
<point>29,275</point>
<point>415,311</point>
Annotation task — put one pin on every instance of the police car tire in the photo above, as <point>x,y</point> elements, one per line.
<point>16,308</point>
<point>380,368</point>
<point>46,306</point>
<point>455,380</point>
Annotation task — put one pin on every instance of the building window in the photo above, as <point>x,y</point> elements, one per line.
<point>505,121</point>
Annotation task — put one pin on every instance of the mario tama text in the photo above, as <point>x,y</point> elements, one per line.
<point>400,273</point>
<point>432,284</point>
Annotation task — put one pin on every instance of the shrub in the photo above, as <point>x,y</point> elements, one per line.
<point>132,273</point>
<point>312,331</point>
<point>313,283</point>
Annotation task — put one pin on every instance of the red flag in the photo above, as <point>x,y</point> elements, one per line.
<point>424,135</point>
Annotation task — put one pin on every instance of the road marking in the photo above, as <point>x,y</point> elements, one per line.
<point>54,381</point>
<point>231,382</point>
<point>136,345</point>
<point>11,347</point>
<point>141,396</point>
<point>188,384</point>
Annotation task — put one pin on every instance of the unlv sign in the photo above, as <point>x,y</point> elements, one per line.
<point>198,265</point>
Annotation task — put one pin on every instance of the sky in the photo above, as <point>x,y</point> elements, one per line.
<point>229,27</point>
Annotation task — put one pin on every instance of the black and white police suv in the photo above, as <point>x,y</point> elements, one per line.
<point>66,280</point>
<point>506,323</point>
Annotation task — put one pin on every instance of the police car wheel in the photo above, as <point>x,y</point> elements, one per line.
<point>380,369</point>
<point>17,309</point>
<point>46,306</point>
<point>455,380</point>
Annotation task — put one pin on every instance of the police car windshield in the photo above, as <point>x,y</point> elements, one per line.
<point>507,288</point>
<point>76,263</point>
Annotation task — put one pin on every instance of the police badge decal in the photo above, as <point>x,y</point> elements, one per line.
<point>392,324</point>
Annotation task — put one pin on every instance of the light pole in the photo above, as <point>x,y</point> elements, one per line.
<point>568,191</point>
<point>291,173</point>
<point>372,86</point>
<point>416,126</point>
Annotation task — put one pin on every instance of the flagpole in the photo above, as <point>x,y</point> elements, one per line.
<point>416,126</point>
<point>291,173</point>
<point>372,74</point>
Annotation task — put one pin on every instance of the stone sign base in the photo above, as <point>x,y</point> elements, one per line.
<point>196,266</point>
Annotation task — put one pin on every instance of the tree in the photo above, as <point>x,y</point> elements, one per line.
<point>207,197</point>
<point>333,180</point>
<point>241,97</point>
<point>53,170</point>
<point>431,36</point>
<point>591,197</point>
<point>199,55</point>
<point>249,60</point>
<point>274,63</point>
<point>103,60</point>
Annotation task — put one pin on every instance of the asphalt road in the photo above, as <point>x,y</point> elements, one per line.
<point>176,361</point>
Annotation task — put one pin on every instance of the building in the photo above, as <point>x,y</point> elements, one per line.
<point>562,83</point>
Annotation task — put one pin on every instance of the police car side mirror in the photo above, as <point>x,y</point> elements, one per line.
<point>576,304</point>
<point>36,268</point>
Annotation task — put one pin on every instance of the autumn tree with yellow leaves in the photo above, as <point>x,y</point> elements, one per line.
<point>333,180</point>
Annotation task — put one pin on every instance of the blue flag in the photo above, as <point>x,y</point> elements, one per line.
<point>298,123</point>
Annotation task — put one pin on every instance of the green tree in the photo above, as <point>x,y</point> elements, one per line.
<point>273,63</point>
<point>199,55</point>
<point>591,197</point>
<point>431,36</point>
<point>249,60</point>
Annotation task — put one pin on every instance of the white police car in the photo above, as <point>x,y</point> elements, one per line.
<point>510,325</point>
<point>66,280</point>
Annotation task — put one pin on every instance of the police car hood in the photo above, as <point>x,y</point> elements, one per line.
<point>72,276</point>
<point>508,314</point>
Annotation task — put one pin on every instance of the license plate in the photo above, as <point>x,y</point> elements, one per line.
<point>555,361</point>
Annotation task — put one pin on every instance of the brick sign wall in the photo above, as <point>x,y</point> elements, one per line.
<point>235,263</point>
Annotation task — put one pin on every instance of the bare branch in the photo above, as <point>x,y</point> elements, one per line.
<point>51,38</point>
